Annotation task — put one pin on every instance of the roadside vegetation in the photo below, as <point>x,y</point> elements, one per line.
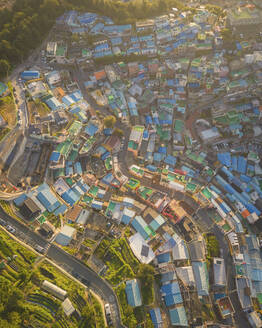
<point>22,301</point>
<point>120,261</point>
<point>8,111</point>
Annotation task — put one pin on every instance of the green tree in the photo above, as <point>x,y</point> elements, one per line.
<point>148,322</point>
<point>109,121</point>
<point>146,275</point>
<point>4,68</point>
<point>118,132</point>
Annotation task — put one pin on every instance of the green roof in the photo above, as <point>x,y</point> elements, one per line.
<point>239,269</point>
<point>60,51</point>
<point>206,193</point>
<point>87,199</point>
<point>108,163</point>
<point>191,187</point>
<point>73,155</point>
<point>259,297</point>
<point>64,147</point>
<point>59,173</point>
<point>42,219</point>
<point>69,181</point>
<point>132,145</point>
<point>93,191</point>
<point>179,126</point>
<point>75,128</point>
<point>226,227</point>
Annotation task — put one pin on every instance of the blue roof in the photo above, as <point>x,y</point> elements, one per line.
<point>139,228</point>
<point>170,160</point>
<point>172,288</point>
<point>55,156</point>
<point>19,201</point>
<point>60,210</point>
<point>151,168</point>
<point>30,74</point>
<point>107,179</point>
<point>133,293</point>
<point>241,164</point>
<point>91,129</point>
<point>156,317</point>
<point>78,168</point>
<point>178,316</point>
<point>164,258</point>
<point>172,299</point>
<point>47,198</point>
<point>70,197</point>
<point>224,158</point>
<point>76,95</point>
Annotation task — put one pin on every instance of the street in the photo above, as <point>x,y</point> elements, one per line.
<point>68,263</point>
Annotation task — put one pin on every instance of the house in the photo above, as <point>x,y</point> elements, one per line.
<point>156,317</point>
<point>73,213</point>
<point>178,317</point>
<point>30,210</point>
<point>219,272</point>
<point>185,274</point>
<point>51,49</point>
<point>30,75</point>
<point>141,249</point>
<point>47,198</point>
<point>54,290</point>
<point>65,236</point>
<point>135,139</point>
<point>201,278</point>
<point>197,250</point>
<point>133,293</point>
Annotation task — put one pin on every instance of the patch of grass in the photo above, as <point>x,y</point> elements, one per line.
<point>212,246</point>
<point>119,259</point>
<point>125,271</point>
<point>9,247</point>
<point>8,111</point>
<point>207,312</point>
<point>89,243</point>
<point>102,248</point>
<point>99,317</point>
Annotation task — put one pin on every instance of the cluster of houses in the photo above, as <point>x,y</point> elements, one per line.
<point>190,110</point>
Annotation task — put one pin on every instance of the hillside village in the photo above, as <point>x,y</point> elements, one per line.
<point>140,155</point>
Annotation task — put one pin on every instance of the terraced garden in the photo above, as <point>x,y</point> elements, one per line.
<point>23,300</point>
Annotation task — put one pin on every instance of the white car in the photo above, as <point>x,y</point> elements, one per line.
<point>107,309</point>
<point>10,229</point>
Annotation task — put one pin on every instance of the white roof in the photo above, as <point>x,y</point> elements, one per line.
<point>186,275</point>
<point>140,248</point>
<point>219,272</point>
<point>135,135</point>
<point>68,307</point>
<point>67,231</point>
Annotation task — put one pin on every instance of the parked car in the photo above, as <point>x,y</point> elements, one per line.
<point>10,229</point>
<point>2,222</point>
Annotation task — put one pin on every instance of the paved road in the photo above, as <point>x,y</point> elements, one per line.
<point>208,225</point>
<point>68,263</point>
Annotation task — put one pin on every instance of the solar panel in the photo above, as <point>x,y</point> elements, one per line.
<point>144,250</point>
